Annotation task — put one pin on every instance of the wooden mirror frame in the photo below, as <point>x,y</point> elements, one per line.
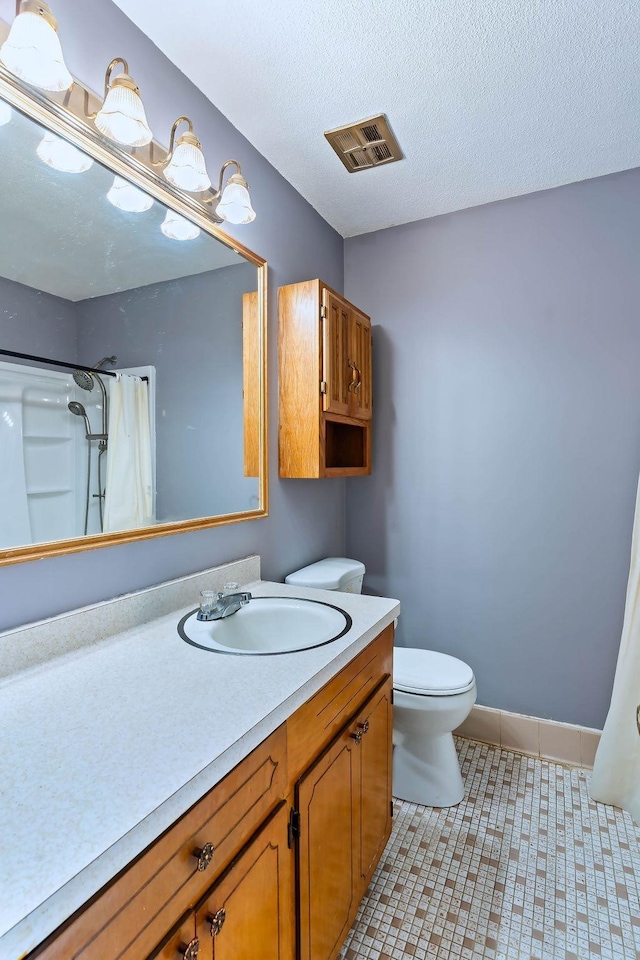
<point>65,114</point>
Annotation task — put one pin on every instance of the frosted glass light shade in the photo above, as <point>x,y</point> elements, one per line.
<point>127,197</point>
<point>186,169</point>
<point>61,155</point>
<point>176,227</point>
<point>235,202</point>
<point>32,51</point>
<point>121,117</point>
<point>5,113</point>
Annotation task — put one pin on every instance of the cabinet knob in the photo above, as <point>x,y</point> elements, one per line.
<point>204,855</point>
<point>216,922</point>
<point>357,736</point>
<point>191,951</point>
<point>364,727</point>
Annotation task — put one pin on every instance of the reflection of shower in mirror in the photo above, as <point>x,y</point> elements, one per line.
<point>54,440</point>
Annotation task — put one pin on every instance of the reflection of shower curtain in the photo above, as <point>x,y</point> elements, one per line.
<point>15,525</point>
<point>616,771</point>
<point>129,492</point>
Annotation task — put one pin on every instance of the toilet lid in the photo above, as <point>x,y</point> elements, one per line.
<point>430,673</point>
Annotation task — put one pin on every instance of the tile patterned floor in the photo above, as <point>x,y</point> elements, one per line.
<point>527,866</point>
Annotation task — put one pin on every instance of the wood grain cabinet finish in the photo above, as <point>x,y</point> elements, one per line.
<point>249,913</point>
<point>232,856</point>
<point>325,388</point>
<point>344,807</point>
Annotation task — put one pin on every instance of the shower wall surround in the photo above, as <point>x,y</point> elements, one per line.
<point>305,521</point>
<point>505,469</point>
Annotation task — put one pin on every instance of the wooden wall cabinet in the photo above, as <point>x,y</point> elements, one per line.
<point>325,389</point>
<point>273,862</point>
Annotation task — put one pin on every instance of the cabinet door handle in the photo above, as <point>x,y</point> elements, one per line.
<point>204,856</point>
<point>191,951</point>
<point>364,726</point>
<point>353,383</point>
<point>357,736</point>
<point>216,922</point>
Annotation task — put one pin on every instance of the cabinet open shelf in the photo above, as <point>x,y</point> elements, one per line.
<point>346,446</point>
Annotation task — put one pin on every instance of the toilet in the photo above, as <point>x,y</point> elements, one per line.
<point>433,694</point>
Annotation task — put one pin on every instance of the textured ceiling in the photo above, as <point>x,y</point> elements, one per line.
<point>488,98</point>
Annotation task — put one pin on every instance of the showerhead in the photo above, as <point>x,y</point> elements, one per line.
<point>101,363</point>
<point>83,380</point>
<point>78,410</point>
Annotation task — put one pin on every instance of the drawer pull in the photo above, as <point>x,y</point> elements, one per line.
<point>364,727</point>
<point>191,951</point>
<point>204,855</point>
<point>357,736</point>
<point>216,922</point>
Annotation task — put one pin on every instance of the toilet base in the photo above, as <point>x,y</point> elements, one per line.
<point>431,776</point>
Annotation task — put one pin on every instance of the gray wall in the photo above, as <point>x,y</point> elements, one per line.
<point>306,518</point>
<point>507,437</point>
<point>191,331</point>
<point>35,322</point>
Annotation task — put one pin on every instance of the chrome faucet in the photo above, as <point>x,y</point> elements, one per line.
<point>221,605</point>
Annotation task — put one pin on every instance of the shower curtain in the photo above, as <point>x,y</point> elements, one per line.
<point>129,481</point>
<point>616,771</point>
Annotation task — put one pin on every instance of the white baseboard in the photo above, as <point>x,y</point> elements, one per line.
<point>548,739</point>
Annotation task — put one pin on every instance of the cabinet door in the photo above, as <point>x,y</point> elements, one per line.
<point>335,354</point>
<point>250,912</point>
<point>376,724</point>
<point>327,798</point>
<point>360,365</point>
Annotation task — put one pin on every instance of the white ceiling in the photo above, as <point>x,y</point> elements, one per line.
<point>488,98</point>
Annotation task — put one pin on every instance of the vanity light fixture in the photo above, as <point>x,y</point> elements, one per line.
<point>62,155</point>
<point>184,165</point>
<point>234,202</point>
<point>176,227</point>
<point>5,113</point>
<point>32,51</point>
<point>127,197</point>
<point>121,116</point>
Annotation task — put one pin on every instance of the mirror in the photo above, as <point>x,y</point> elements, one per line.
<point>151,419</point>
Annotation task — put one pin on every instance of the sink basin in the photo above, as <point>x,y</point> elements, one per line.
<point>268,625</point>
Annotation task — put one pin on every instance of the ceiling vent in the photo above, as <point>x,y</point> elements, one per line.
<point>369,143</point>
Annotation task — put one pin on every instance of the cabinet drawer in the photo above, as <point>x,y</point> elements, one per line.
<point>312,727</point>
<point>132,914</point>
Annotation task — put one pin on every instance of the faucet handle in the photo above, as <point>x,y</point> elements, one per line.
<point>230,588</point>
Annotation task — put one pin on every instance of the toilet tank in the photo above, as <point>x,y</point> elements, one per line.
<point>333,573</point>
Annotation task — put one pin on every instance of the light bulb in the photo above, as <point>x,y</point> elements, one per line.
<point>5,113</point>
<point>176,227</point>
<point>235,202</point>
<point>186,169</point>
<point>62,155</point>
<point>127,197</point>
<point>32,51</point>
<point>121,117</point>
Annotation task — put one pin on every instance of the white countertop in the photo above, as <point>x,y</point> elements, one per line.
<point>105,747</point>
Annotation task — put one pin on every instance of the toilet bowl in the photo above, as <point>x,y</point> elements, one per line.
<point>433,694</point>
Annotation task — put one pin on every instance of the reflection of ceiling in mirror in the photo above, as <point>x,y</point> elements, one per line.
<point>60,234</point>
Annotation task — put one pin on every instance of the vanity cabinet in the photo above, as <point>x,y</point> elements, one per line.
<point>249,911</point>
<point>343,816</point>
<point>279,852</point>
<point>325,388</point>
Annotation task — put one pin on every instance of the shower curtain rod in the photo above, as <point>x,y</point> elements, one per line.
<point>61,363</point>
